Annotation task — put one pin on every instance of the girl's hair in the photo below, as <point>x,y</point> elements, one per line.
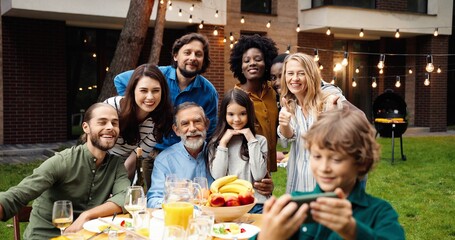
<point>241,98</point>
<point>266,45</point>
<point>312,97</point>
<point>161,116</point>
<point>347,132</point>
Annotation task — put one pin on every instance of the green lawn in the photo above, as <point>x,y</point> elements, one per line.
<point>421,189</point>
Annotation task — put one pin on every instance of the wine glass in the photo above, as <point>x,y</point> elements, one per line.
<point>135,200</point>
<point>62,214</point>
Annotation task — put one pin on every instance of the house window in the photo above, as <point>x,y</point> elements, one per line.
<point>257,6</point>
<point>418,6</point>
<point>348,3</point>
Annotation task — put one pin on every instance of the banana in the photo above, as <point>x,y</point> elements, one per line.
<point>214,188</point>
<point>228,194</point>
<point>243,182</point>
<point>234,188</point>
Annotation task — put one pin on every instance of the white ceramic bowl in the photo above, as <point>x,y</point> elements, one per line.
<point>228,214</point>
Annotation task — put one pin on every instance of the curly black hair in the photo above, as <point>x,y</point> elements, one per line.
<point>266,45</point>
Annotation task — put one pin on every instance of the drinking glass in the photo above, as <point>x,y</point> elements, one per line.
<point>173,233</point>
<point>135,200</point>
<point>209,215</point>
<point>142,223</point>
<point>62,214</point>
<point>198,229</point>
<point>205,192</point>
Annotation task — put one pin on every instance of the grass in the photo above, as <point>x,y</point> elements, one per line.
<point>421,189</point>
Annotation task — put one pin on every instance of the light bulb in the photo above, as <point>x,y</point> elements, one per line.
<point>268,24</point>
<point>170,6</point>
<point>427,79</point>
<point>344,62</point>
<point>231,37</point>
<point>436,33</point>
<point>231,45</point>
<point>357,70</point>
<point>381,71</point>
<point>397,33</point>
<point>337,67</point>
<point>321,67</point>
<point>333,80</point>
<point>397,83</point>
<point>242,21</point>
<point>328,32</point>
<point>410,70</point>
<point>429,67</point>
<point>201,26</point>
<point>224,40</point>
<point>192,7</point>
<point>361,34</point>
<point>354,84</point>
<point>381,61</point>
<point>161,1</point>
<point>288,50</point>
<point>316,55</point>
<point>297,29</point>
<point>374,84</point>
<point>215,32</point>
<point>439,69</point>
<point>180,12</point>
<point>216,13</point>
<point>190,20</point>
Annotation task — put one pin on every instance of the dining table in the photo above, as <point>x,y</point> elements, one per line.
<point>253,219</point>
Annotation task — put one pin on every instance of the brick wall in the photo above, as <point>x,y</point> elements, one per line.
<point>321,41</point>
<point>392,5</point>
<point>34,81</point>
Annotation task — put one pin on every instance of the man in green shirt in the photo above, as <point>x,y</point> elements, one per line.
<point>93,180</point>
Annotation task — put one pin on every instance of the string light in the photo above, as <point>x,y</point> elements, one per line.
<point>269,23</point>
<point>429,67</point>
<point>361,34</point>
<point>381,61</point>
<point>410,70</point>
<point>427,79</point>
<point>192,8</point>
<point>374,84</point>
<point>337,67</point>
<point>436,32</point>
<point>357,70</point>
<point>397,33</point>
<point>201,25</point>
<point>344,62</point>
<point>190,20</point>
<point>354,84</point>
<point>381,71</point>
<point>328,32</point>
<point>161,1</point>
<point>242,21</point>
<point>397,83</point>
<point>333,80</point>
<point>215,31</point>
<point>321,66</point>
<point>170,6</point>
<point>297,29</point>
<point>288,50</point>
<point>439,69</point>
<point>231,37</point>
<point>180,12</point>
<point>231,45</point>
<point>316,55</point>
<point>216,13</point>
<point>224,40</point>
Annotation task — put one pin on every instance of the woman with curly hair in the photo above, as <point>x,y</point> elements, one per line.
<point>250,60</point>
<point>145,115</point>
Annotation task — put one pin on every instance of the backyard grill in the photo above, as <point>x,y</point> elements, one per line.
<point>389,113</point>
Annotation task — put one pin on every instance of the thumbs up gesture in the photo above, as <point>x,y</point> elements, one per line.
<point>284,118</point>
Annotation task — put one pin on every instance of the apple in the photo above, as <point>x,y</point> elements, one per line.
<point>216,200</point>
<point>246,197</point>
<point>231,201</point>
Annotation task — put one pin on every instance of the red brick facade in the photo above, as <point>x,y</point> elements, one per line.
<point>34,81</point>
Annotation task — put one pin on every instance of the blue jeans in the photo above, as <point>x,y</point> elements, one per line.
<point>257,208</point>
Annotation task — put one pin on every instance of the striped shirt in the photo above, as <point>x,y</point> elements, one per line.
<point>147,140</point>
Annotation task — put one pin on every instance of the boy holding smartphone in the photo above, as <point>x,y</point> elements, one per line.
<point>343,149</point>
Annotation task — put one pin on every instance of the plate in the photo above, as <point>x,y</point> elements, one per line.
<point>94,224</point>
<point>250,231</point>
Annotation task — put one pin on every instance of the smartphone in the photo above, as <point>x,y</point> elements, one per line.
<point>311,198</point>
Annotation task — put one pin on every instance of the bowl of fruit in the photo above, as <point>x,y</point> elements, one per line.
<point>230,198</point>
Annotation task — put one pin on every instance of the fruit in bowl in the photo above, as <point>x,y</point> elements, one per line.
<point>230,198</point>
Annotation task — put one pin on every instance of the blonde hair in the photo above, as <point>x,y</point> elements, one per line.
<point>312,97</point>
<point>347,132</point>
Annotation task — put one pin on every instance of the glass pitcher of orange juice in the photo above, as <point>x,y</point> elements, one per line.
<point>179,202</point>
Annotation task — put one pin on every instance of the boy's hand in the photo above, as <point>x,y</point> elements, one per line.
<point>281,218</point>
<point>336,214</point>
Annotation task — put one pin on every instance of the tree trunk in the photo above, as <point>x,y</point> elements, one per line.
<point>129,45</point>
<point>157,41</point>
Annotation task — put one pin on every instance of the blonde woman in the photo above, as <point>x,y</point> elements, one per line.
<point>303,97</point>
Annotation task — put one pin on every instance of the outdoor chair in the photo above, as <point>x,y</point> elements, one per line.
<point>22,216</point>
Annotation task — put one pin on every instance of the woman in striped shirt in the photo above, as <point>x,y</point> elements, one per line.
<point>145,114</point>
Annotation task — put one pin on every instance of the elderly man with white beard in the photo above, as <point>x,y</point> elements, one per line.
<point>185,159</point>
